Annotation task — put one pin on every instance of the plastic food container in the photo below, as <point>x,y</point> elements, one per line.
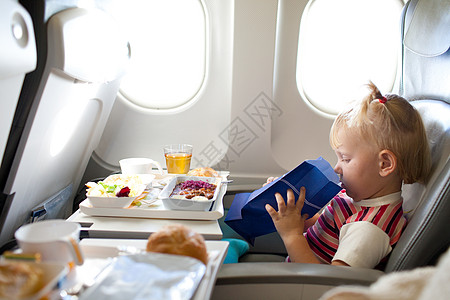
<point>175,203</point>
<point>144,181</point>
<point>112,202</point>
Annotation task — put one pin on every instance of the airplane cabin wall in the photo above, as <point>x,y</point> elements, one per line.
<point>254,110</point>
<point>302,133</point>
<point>134,131</point>
<point>248,117</point>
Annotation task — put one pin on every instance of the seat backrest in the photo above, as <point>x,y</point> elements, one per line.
<point>425,60</point>
<point>426,75</point>
<point>17,57</point>
<point>86,58</point>
<point>427,234</point>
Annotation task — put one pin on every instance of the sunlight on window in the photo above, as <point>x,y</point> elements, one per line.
<point>342,45</point>
<point>168,48</point>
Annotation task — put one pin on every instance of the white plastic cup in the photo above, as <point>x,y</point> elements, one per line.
<point>54,240</point>
<point>138,165</point>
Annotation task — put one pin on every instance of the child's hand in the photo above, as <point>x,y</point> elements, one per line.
<point>288,219</point>
<point>269,180</point>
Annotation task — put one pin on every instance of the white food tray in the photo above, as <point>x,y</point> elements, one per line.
<point>189,204</point>
<point>99,252</point>
<point>153,208</point>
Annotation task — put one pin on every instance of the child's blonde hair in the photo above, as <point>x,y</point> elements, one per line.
<point>391,123</point>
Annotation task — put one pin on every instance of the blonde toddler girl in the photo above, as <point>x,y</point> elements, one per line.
<point>380,143</point>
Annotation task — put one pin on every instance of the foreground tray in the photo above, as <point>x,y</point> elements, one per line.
<point>99,252</point>
<point>154,209</point>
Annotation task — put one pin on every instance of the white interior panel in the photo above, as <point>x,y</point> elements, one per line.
<point>302,131</point>
<point>266,102</point>
<point>253,108</point>
<point>17,57</point>
<point>134,131</point>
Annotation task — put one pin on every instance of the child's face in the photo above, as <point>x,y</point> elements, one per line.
<point>357,166</point>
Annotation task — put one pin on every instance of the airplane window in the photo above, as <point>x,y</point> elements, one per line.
<point>168,48</point>
<point>342,45</point>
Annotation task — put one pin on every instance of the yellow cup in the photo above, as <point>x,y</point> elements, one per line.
<point>178,158</point>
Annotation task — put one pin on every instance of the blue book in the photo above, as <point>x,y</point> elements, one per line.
<point>248,216</point>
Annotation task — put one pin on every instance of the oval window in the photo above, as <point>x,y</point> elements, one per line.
<point>168,50</point>
<point>344,44</point>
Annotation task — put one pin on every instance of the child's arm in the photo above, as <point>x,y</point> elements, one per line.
<point>290,225</point>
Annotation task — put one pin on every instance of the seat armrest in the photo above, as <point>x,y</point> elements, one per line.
<point>274,273</point>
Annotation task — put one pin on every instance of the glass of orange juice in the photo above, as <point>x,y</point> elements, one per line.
<point>178,158</point>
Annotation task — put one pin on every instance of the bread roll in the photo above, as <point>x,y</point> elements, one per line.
<point>180,240</point>
<point>18,279</point>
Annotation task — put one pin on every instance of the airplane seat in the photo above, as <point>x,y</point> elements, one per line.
<point>17,57</point>
<point>425,50</point>
<point>425,78</point>
<point>86,58</point>
<point>427,235</point>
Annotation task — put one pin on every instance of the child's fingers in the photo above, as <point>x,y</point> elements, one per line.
<point>290,198</point>
<point>269,180</point>
<point>301,198</point>
<point>280,202</point>
<point>272,212</point>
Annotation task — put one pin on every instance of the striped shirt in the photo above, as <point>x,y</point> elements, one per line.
<point>385,213</point>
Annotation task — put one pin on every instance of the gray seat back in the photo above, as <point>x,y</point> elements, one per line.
<point>425,61</point>
<point>426,75</point>
<point>427,234</point>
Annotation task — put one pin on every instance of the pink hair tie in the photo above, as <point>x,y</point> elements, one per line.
<point>382,100</point>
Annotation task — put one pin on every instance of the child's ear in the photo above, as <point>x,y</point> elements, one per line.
<point>388,162</point>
